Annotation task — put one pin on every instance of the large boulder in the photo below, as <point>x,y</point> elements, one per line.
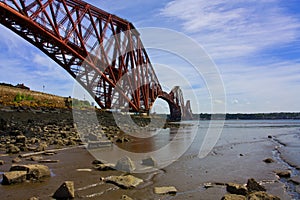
<point>34,172</point>
<point>125,182</point>
<point>235,188</point>
<point>65,191</point>
<point>14,177</point>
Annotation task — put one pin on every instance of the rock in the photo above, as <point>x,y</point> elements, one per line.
<point>122,140</point>
<point>125,164</point>
<point>97,162</point>
<point>16,160</point>
<point>295,180</point>
<point>71,143</point>
<point>42,147</point>
<point>34,172</point>
<point>269,160</point>
<point>49,153</point>
<point>165,190</point>
<point>84,170</point>
<point>125,197</point>
<point>33,198</point>
<point>208,185</point>
<point>149,162</point>
<point>233,197</point>
<point>105,167</point>
<point>65,191</point>
<point>12,149</point>
<point>93,137</point>
<point>270,136</point>
<point>261,196</point>
<point>252,185</point>
<point>14,177</point>
<point>283,174</point>
<point>235,188</point>
<point>125,182</point>
<point>21,139</point>
<point>35,158</point>
<point>48,161</point>
<point>2,162</point>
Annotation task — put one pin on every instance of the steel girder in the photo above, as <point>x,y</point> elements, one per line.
<point>102,51</point>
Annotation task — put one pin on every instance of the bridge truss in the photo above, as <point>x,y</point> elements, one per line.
<point>103,52</point>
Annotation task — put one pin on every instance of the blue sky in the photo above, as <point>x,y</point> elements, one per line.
<point>254,44</point>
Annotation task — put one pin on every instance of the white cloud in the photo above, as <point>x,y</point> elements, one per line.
<point>241,37</point>
<point>232,32</point>
<point>234,28</point>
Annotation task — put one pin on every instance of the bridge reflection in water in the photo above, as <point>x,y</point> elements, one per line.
<point>165,146</point>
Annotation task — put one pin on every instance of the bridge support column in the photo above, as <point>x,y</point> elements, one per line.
<point>175,112</point>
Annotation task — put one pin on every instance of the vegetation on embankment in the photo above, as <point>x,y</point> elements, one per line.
<point>13,96</point>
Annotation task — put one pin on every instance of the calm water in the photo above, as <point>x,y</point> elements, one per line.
<point>168,145</point>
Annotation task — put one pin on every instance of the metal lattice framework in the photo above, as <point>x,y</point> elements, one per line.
<point>101,51</point>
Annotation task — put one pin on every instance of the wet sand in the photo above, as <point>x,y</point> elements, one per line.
<point>237,156</point>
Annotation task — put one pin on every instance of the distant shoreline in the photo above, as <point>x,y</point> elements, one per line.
<point>8,95</point>
<point>252,116</point>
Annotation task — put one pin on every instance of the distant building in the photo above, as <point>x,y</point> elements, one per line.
<point>22,86</point>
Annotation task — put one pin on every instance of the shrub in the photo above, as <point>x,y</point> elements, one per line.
<point>21,97</point>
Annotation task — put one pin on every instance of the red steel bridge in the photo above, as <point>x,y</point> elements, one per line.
<point>103,52</point>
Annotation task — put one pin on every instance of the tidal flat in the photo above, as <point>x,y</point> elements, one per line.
<point>245,149</point>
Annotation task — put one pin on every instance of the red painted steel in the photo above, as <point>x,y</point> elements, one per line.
<point>101,51</point>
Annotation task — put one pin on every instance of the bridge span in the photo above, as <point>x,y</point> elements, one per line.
<point>102,51</point>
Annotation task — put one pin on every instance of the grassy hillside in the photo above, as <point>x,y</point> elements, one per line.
<point>12,96</point>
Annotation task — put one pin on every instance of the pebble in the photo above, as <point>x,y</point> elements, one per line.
<point>269,160</point>
<point>16,160</point>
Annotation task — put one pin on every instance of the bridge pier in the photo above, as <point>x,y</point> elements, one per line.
<point>175,113</point>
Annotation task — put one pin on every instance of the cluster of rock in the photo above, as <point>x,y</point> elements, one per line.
<point>38,132</point>
<point>125,164</point>
<point>252,191</point>
<point>22,173</point>
<point>24,137</point>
